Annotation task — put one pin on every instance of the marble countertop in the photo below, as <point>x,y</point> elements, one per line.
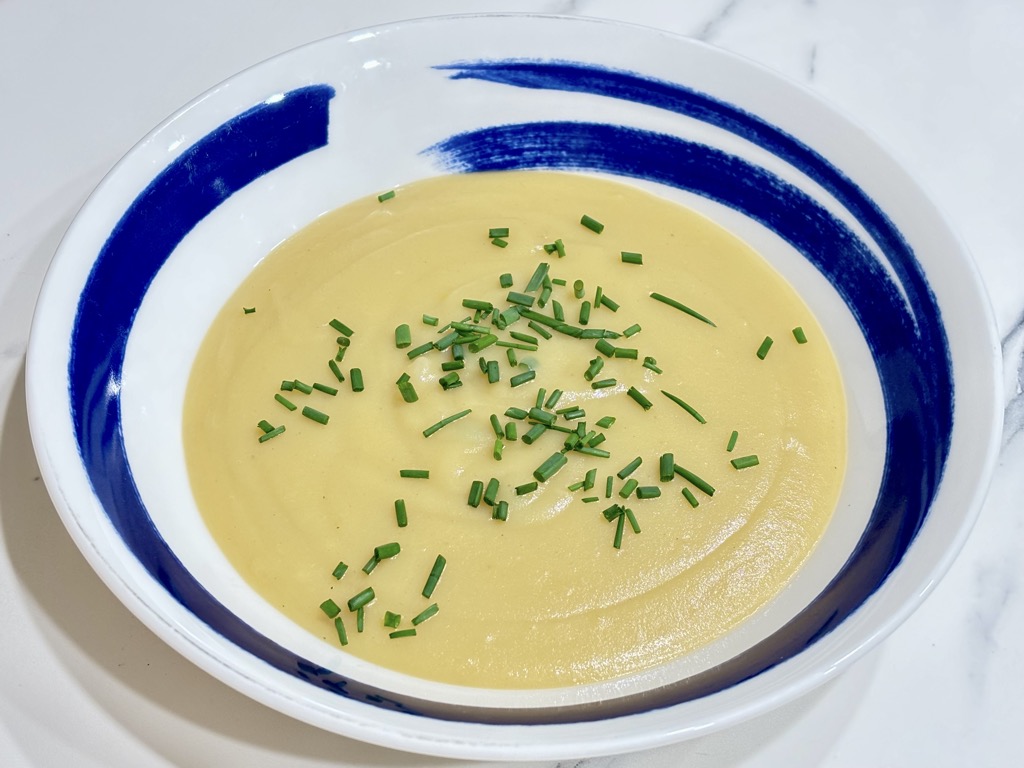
<point>83,683</point>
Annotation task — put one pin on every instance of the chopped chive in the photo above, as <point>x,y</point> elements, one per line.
<point>434,577</point>
<point>551,465</point>
<point>425,614</point>
<point>640,398</point>
<point>613,512</point>
<point>651,364</point>
<point>625,353</point>
<point>682,308</point>
<point>799,335</point>
<point>429,320</point>
<point>287,386</point>
<point>666,467</point>
<point>598,295</point>
<point>534,432</point>
<point>743,462</point>
<point>620,527</point>
<point>632,331</point>
<point>362,599</point>
<point>537,279</point>
<point>590,479</point>
<point>385,551</point>
<point>339,569</point>
<point>592,224</point>
<point>516,413</point>
<point>544,417</point>
<point>648,492</point>
<point>330,608</point>
<point>400,633</point>
<point>605,347</point>
<point>604,383</point>
<point>511,355</point>
<point>519,336</point>
<point>271,434</point>
<point>540,329</point>
<point>372,563</point>
<point>511,431</point>
<point>699,483</point>
<point>516,345</point>
<point>500,511</point>
<point>301,387</point>
<point>499,447</point>
<point>481,343</point>
<point>558,281</point>
<point>450,381</point>
<point>491,492</point>
<point>315,415</point>
<point>385,196</point>
<point>584,313</point>
<point>557,310</point>
<point>545,294</point>
<point>356,379</point>
<point>476,493</point>
<point>608,486</point>
<point>285,402</point>
<point>403,336</point>
<point>630,468</point>
<point>327,390</point>
<point>686,407</point>
<point>628,487</point>
<point>688,495</point>
<point>500,242</point>
<point>408,391</point>
<point>632,258</point>
<point>344,341</point>
<point>632,520</point>
<point>248,310</point>
<point>496,425</point>
<point>606,301</point>
<point>401,515</point>
<point>732,441</point>
<point>559,248</point>
<point>525,488</point>
<point>553,398</point>
<point>445,422</point>
<point>605,421</point>
<point>421,474</point>
<point>591,451</point>
<point>578,289</point>
<point>570,414</point>
<point>762,351</point>
<point>360,616</point>
<point>392,619</point>
<point>484,306</point>
<point>340,327</point>
<point>336,370</point>
<point>497,232</point>
<point>341,354</point>
<point>523,299</point>
<point>339,627</point>
<point>505,280</point>
<point>595,368</point>
<point>522,378</point>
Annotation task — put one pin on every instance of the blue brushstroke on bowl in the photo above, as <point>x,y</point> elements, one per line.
<point>911,354</point>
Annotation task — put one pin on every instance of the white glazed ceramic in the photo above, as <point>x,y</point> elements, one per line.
<point>189,211</point>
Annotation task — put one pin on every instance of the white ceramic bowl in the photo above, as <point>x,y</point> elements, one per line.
<point>188,212</point>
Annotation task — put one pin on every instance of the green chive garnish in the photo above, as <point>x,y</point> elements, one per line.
<point>421,474</point>
<point>330,608</point>
<point>315,415</point>
<point>339,569</point>
<point>285,402</point>
<point>584,313</point>
<point>361,600</point>
<point>301,387</point>
<point>434,577</point>
<point>248,310</point>
<point>450,381</point>
<point>547,470</point>
<point>630,468</point>
<point>341,328</point>
<point>476,493</point>
<point>632,331</point>
<point>605,421</point>
<point>525,488</point>
<point>271,434</point>
<point>604,383</point>
<point>522,378</point>
<point>559,248</point>
<point>497,232</point>
<point>403,336</point>
<point>445,422</point>
<point>534,432</point>
<point>537,279</point>
<point>429,320</point>
<point>425,614</point>
<point>799,335</point>
<point>745,461</point>
<point>685,406</point>
<point>592,224</point>
<point>688,495</point>
<point>356,379</point>
<point>762,351</point>
<point>400,633</point>
<point>500,242</point>
<point>500,511</point>
<point>339,627</point>
<point>648,492</point>
<point>505,280</point>
<point>640,398</point>
<point>401,515</point>
<point>732,440</point>
<point>335,370</point>
<point>698,482</point>
<point>628,487</point>
<point>632,258</point>
<point>620,527</point>
<point>651,364</point>
<point>385,196</point>
<point>682,308</point>
<point>392,619</point>
<point>632,520</point>
<point>385,551</point>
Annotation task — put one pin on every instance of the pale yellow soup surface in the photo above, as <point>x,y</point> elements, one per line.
<point>544,598</point>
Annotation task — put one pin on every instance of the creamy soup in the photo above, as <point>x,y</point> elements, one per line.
<point>712,372</point>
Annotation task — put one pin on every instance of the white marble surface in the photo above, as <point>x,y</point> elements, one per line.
<point>83,683</point>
